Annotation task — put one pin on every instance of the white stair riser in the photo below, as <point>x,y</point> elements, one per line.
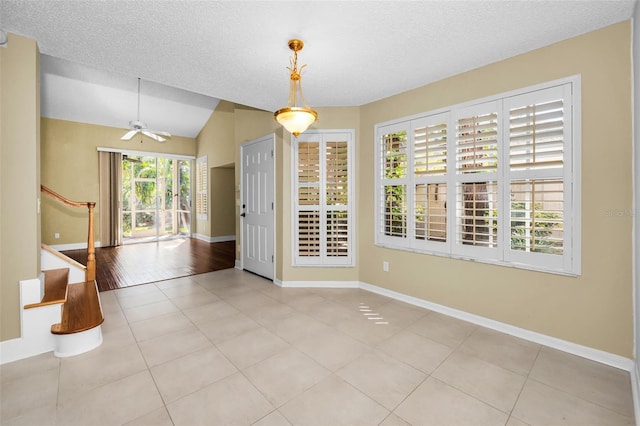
<point>50,261</point>
<point>77,343</point>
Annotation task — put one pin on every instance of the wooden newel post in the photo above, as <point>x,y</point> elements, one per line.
<point>91,249</point>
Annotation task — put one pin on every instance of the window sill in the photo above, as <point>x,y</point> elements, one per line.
<point>484,261</point>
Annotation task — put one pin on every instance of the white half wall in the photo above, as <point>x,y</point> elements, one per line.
<point>35,323</point>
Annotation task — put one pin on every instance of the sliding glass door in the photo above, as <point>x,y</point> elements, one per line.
<point>156,198</point>
<point>175,197</point>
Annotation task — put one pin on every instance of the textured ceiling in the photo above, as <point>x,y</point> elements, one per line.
<point>356,51</point>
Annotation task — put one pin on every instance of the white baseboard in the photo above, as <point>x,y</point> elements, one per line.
<point>11,350</point>
<point>635,391</point>
<point>17,349</point>
<point>72,246</point>
<point>532,336</point>
<point>220,239</point>
<point>317,284</point>
<point>238,264</point>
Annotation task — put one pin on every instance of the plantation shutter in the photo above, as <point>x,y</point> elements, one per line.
<point>202,174</point>
<point>477,191</point>
<point>394,181</point>
<point>309,198</point>
<point>429,199</point>
<point>477,143</point>
<point>337,198</point>
<point>539,155</point>
<point>536,136</point>
<point>323,234</point>
<point>430,148</point>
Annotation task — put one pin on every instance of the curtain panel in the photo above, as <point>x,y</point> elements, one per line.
<point>110,169</point>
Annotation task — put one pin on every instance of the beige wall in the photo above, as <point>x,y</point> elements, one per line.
<point>636,210</point>
<point>19,176</point>
<point>594,309</point>
<point>70,168</point>
<point>223,212</point>
<point>215,140</point>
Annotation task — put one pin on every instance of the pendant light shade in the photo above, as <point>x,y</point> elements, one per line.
<point>294,118</point>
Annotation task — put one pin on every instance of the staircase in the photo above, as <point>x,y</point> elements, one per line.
<point>77,303</point>
<point>79,313</point>
<point>60,310</point>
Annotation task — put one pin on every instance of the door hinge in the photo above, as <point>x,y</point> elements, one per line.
<point>272,205</point>
<point>271,153</point>
<point>271,258</point>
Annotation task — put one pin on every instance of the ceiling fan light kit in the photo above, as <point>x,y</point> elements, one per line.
<point>138,126</point>
<point>294,118</point>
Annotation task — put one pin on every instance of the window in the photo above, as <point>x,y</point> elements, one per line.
<point>492,180</point>
<point>323,202</point>
<point>202,173</point>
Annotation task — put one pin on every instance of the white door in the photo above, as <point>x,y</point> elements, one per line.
<point>256,211</point>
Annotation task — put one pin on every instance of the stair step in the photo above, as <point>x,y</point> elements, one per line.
<point>81,311</point>
<point>55,288</point>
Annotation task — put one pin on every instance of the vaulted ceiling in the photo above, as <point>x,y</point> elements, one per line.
<point>191,54</point>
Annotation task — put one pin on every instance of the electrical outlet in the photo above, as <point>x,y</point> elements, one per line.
<point>385,266</point>
<point>56,235</point>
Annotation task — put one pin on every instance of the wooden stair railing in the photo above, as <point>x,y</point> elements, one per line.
<point>91,250</point>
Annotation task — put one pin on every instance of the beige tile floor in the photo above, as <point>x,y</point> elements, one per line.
<point>229,347</point>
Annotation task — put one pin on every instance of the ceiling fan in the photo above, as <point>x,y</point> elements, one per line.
<point>140,127</point>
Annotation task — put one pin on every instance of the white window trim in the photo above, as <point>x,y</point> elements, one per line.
<point>571,264</point>
<point>323,260</point>
<point>146,153</point>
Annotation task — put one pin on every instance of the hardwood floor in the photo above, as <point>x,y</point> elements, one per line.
<point>134,264</point>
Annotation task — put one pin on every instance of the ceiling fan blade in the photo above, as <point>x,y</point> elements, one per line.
<point>129,135</point>
<point>167,134</point>
<point>131,160</point>
<point>153,136</point>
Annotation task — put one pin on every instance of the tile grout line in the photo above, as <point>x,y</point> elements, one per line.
<point>580,398</point>
<point>371,347</point>
<point>146,363</point>
<point>214,345</point>
<point>238,370</point>
<point>524,384</point>
<point>429,375</point>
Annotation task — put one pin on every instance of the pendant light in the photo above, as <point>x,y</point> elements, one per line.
<point>296,117</point>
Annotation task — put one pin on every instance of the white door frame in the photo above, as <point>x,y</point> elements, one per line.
<point>270,139</point>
